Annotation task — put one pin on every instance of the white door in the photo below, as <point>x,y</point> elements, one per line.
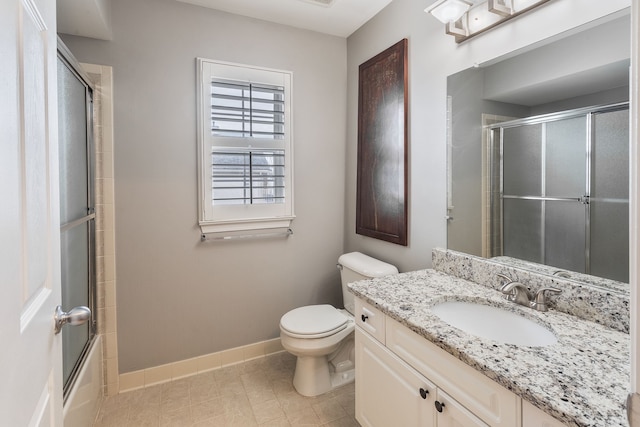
<point>30,352</point>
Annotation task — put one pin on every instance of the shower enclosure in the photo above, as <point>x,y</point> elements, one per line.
<point>560,192</point>
<point>77,209</point>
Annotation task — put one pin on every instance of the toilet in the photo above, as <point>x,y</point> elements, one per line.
<point>321,336</point>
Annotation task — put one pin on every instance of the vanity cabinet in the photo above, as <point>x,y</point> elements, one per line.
<point>390,392</point>
<point>534,417</point>
<point>399,380</point>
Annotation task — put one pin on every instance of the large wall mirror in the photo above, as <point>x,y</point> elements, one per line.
<point>538,156</point>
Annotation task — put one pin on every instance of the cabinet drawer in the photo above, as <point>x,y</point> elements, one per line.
<point>370,319</point>
<point>534,417</point>
<point>489,401</point>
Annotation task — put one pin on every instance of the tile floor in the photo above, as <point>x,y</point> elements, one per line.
<point>254,393</point>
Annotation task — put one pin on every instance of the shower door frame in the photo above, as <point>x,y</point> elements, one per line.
<point>497,198</point>
<point>67,58</point>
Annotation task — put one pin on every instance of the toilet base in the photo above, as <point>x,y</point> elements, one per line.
<point>315,376</point>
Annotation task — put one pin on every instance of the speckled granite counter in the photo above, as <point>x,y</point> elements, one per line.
<point>582,380</point>
<point>608,307</point>
<point>580,278</point>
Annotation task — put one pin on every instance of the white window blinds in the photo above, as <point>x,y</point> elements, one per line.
<point>247,110</point>
<point>246,147</point>
<point>247,177</point>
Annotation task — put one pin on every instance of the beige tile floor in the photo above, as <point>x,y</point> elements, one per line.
<point>255,393</point>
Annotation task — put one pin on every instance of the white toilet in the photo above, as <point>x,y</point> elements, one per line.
<point>321,336</point>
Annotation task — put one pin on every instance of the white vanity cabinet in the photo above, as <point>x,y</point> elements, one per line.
<point>388,391</point>
<point>534,417</point>
<point>391,393</point>
<point>400,379</point>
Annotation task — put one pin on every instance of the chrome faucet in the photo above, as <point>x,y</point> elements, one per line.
<point>562,273</point>
<point>540,301</point>
<point>517,292</point>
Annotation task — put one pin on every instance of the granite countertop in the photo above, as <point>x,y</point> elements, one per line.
<point>582,380</point>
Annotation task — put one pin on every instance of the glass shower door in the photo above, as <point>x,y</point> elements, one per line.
<point>563,196</point>
<point>609,227</point>
<point>566,187</point>
<point>77,216</point>
<point>522,207</point>
<point>544,181</point>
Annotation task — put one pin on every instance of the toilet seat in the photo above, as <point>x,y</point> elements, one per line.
<point>313,321</point>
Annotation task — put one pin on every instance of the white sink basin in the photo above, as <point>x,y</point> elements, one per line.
<point>494,323</point>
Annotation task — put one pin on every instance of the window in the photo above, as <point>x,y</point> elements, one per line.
<point>245,147</point>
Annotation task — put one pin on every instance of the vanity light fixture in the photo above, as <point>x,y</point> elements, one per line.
<point>467,18</point>
<point>447,11</point>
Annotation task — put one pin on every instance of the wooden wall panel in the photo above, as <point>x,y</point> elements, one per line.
<point>381,210</point>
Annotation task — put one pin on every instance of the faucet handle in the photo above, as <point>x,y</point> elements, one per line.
<point>540,301</point>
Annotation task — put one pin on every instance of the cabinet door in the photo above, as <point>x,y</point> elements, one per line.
<point>492,403</point>
<point>454,414</point>
<point>388,391</point>
<point>534,417</point>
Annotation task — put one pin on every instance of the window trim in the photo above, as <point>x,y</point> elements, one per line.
<point>241,218</point>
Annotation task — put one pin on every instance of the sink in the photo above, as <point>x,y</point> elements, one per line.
<point>494,323</point>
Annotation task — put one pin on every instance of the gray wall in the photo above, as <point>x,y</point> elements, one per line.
<point>433,56</point>
<point>465,88</point>
<point>178,298</point>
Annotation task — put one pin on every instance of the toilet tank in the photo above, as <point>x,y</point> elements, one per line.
<point>356,266</point>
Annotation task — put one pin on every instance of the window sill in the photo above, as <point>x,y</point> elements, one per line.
<point>245,227</point>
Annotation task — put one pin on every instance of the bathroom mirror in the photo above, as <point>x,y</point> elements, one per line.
<point>528,125</point>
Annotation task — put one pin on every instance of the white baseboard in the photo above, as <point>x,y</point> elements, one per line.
<point>196,365</point>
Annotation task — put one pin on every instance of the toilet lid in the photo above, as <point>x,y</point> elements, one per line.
<point>314,321</point>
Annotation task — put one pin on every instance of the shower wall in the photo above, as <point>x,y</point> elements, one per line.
<point>99,374</point>
<point>102,77</point>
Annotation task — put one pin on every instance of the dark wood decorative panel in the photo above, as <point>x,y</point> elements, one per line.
<point>381,210</point>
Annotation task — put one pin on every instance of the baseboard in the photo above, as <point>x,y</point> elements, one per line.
<point>185,368</point>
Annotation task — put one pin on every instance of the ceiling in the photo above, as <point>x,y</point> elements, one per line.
<point>605,77</point>
<point>86,18</point>
<point>92,18</point>
<point>336,17</point>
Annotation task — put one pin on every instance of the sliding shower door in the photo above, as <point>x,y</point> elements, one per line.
<point>566,189</point>
<point>77,214</point>
<point>562,198</point>
<point>609,203</point>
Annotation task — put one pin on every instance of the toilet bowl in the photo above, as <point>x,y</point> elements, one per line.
<point>321,336</point>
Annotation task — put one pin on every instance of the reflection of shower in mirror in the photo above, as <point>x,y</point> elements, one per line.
<point>560,80</point>
<point>559,191</point>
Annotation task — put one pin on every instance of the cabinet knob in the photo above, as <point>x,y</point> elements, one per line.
<point>439,406</point>
<point>364,318</point>
<point>424,393</point>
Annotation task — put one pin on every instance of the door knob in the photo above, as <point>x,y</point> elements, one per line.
<point>76,316</point>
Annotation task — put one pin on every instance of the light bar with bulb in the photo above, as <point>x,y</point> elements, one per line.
<point>464,19</point>
<point>447,11</point>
